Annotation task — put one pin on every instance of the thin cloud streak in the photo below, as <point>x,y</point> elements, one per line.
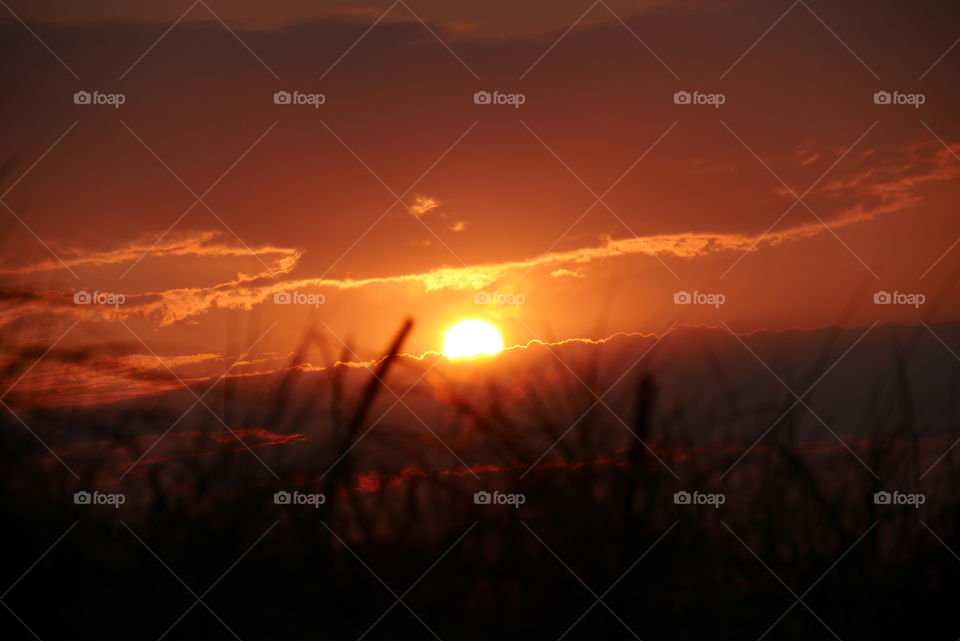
<point>885,189</point>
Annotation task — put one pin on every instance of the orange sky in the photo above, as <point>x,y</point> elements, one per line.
<point>583,210</point>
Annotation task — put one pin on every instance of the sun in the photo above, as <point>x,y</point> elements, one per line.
<point>472,338</point>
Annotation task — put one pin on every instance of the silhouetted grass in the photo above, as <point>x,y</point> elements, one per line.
<point>599,500</point>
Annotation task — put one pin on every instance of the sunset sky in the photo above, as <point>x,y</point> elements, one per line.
<point>582,211</point>
<point>461,319</point>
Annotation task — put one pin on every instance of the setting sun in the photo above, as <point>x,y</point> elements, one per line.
<point>472,338</point>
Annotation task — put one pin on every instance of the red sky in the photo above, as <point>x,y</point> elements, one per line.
<point>401,197</point>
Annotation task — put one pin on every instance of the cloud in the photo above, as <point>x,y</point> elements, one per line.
<point>894,179</point>
<point>202,244</point>
<point>858,197</point>
<point>68,378</point>
<point>422,205</point>
<point>170,306</point>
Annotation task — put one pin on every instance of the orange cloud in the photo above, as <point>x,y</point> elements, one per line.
<point>423,205</point>
<point>247,290</point>
<point>563,272</point>
<point>201,244</point>
<point>861,196</point>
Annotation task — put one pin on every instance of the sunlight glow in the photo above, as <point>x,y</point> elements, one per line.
<point>472,338</point>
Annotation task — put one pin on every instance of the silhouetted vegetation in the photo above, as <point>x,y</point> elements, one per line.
<point>599,517</point>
